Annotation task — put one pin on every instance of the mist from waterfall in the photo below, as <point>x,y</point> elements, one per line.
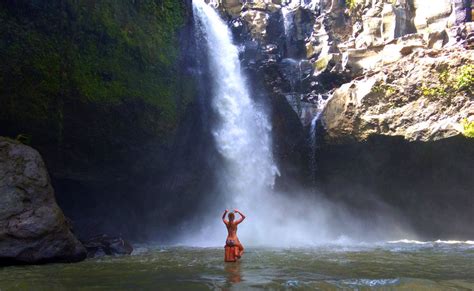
<point>242,133</point>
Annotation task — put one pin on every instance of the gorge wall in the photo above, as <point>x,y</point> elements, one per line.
<point>102,89</point>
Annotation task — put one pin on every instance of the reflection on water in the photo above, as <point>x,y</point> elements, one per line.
<point>233,272</point>
<point>399,265</point>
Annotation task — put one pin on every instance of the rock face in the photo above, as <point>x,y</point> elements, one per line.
<point>33,228</point>
<point>417,98</point>
<point>428,183</point>
<point>123,65</point>
<point>307,49</point>
<point>104,245</point>
<point>397,108</point>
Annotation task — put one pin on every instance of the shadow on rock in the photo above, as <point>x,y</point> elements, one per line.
<point>104,245</point>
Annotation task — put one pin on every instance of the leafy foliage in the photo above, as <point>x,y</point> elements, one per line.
<point>468,128</point>
<point>351,4</point>
<point>447,84</point>
<point>383,88</point>
<point>465,79</point>
<point>433,91</point>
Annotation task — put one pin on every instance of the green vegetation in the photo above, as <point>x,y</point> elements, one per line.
<point>447,85</point>
<point>351,4</point>
<point>468,128</point>
<point>383,88</point>
<point>103,53</point>
<point>322,63</point>
<point>434,91</point>
<point>465,79</point>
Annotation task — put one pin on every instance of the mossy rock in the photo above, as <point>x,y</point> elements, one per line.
<point>99,52</point>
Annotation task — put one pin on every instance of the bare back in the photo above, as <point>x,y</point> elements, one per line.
<point>231,229</point>
<point>231,224</point>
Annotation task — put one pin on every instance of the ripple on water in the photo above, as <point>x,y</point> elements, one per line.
<point>354,283</point>
<point>437,267</point>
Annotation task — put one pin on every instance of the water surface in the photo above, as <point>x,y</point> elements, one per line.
<point>388,266</point>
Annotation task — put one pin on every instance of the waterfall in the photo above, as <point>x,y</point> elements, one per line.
<point>288,14</point>
<point>313,135</point>
<point>242,134</point>
<point>287,21</point>
<point>242,131</point>
<point>288,9</point>
<point>313,4</point>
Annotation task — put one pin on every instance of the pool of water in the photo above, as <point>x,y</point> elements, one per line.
<point>387,266</point>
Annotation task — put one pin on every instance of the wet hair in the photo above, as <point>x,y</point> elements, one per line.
<point>231,216</point>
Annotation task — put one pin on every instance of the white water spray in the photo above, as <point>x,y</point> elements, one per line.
<point>313,135</point>
<point>243,137</point>
<point>243,132</point>
<point>313,141</point>
<point>287,21</point>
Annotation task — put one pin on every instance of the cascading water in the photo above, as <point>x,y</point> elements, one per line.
<point>287,21</point>
<point>242,134</point>
<point>288,9</point>
<point>322,101</point>
<point>313,141</point>
<point>288,14</point>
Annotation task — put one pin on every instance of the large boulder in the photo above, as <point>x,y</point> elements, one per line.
<point>33,229</point>
<point>422,97</point>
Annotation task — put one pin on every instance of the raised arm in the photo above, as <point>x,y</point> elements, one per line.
<point>242,216</point>
<point>223,216</point>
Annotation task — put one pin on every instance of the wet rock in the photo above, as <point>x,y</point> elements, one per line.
<point>104,245</point>
<point>257,22</point>
<point>33,229</point>
<point>233,7</point>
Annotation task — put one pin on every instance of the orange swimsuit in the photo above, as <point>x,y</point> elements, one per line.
<point>233,247</point>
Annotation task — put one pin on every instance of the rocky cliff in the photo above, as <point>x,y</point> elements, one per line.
<point>103,90</point>
<point>33,228</point>
<point>307,48</point>
<point>386,89</point>
<point>425,96</point>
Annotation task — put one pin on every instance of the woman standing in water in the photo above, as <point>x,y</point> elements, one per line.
<point>233,247</point>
